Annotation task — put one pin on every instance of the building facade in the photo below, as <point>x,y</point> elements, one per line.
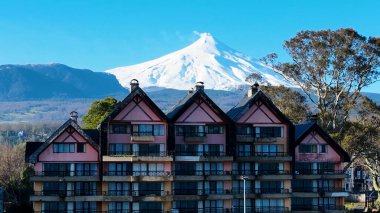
<point>195,158</point>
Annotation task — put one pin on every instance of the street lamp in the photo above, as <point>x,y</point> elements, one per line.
<point>244,178</point>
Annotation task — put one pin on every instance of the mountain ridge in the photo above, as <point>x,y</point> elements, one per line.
<point>207,60</point>
<point>46,81</point>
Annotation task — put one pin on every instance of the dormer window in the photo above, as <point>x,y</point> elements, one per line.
<point>323,148</point>
<point>148,130</point>
<point>308,148</point>
<point>269,132</point>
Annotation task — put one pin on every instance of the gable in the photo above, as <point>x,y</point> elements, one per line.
<point>259,113</point>
<point>199,111</point>
<point>72,136</point>
<point>315,138</point>
<point>137,110</point>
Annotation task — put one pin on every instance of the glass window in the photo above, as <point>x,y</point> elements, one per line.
<point>323,148</point>
<point>63,148</point>
<point>118,188</point>
<point>120,149</point>
<point>120,129</point>
<point>307,148</point>
<point>119,169</point>
<point>214,129</point>
<point>269,132</point>
<point>244,130</point>
<point>117,207</point>
<point>191,130</point>
<point>81,147</point>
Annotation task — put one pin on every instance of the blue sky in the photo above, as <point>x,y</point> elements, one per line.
<point>101,34</point>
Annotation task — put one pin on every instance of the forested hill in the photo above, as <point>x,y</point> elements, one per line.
<point>35,82</point>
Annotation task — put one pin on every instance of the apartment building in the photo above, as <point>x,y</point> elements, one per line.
<point>195,158</point>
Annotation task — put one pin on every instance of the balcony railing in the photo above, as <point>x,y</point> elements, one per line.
<point>66,173</point>
<point>316,207</point>
<point>261,172</point>
<point>117,153</point>
<point>256,138</point>
<point>318,172</point>
<point>250,209</point>
<point>136,173</point>
<point>240,190</point>
<point>69,193</point>
<point>150,192</point>
<point>72,211</point>
<point>200,153</point>
<point>194,136</point>
<point>188,192</point>
<point>318,189</point>
<point>261,154</point>
<point>201,172</point>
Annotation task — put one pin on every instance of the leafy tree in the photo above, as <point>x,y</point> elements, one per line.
<point>14,177</point>
<point>331,67</point>
<point>98,111</point>
<point>361,138</point>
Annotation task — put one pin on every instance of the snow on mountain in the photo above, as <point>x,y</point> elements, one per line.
<point>207,59</point>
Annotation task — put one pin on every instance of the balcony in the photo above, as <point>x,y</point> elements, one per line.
<point>202,156</point>
<point>84,175</point>
<point>142,137</point>
<point>194,136</point>
<point>259,139</point>
<point>263,156</point>
<point>263,174</point>
<point>76,211</point>
<point>202,174</point>
<point>319,192</point>
<point>201,210</point>
<point>137,176</point>
<point>122,156</point>
<point>266,209</point>
<point>318,208</point>
<point>319,173</point>
<point>151,195</point>
<point>67,195</point>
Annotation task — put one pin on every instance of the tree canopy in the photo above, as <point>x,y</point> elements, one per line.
<point>98,111</point>
<point>331,67</point>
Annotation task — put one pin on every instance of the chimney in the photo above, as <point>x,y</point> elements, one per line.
<point>74,116</point>
<point>253,89</point>
<point>313,118</point>
<point>134,84</point>
<point>191,91</point>
<point>199,86</point>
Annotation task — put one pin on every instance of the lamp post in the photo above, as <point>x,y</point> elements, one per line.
<point>244,178</point>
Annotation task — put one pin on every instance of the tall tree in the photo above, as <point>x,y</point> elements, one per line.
<point>98,111</point>
<point>14,177</point>
<point>331,67</point>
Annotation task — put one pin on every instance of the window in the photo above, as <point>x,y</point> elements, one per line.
<point>149,188</point>
<point>63,148</point>
<point>148,130</point>
<point>118,188</point>
<point>244,130</point>
<point>149,149</point>
<point>150,169</point>
<point>85,188</point>
<point>57,169</point>
<point>186,205</point>
<point>191,130</point>
<point>85,206</point>
<point>213,168</point>
<point>323,148</point>
<point>116,207</point>
<point>150,206</point>
<point>120,129</point>
<point>86,169</point>
<point>185,188</point>
<point>54,188</point>
<point>54,206</point>
<point>308,148</point>
<point>269,132</point>
<point>271,186</point>
<point>185,168</point>
<point>269,149</point>
<point>269,168</point>
<point>214,129</point>
<point>81,147</point>
<point>119,169</point>
<point>120,149</point>
<point>214,187</point>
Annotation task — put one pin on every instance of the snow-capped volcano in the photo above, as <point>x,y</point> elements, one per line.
<point>207,59</point>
